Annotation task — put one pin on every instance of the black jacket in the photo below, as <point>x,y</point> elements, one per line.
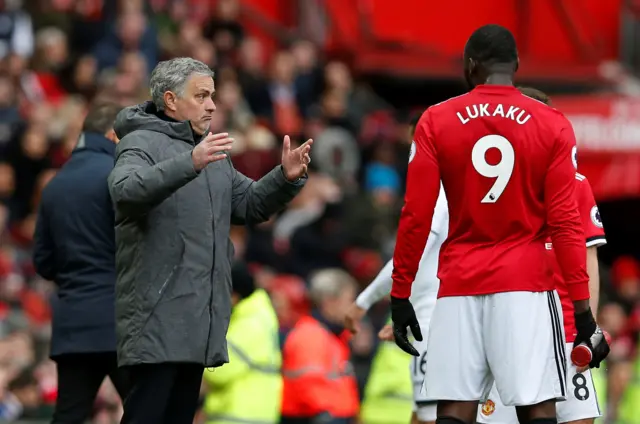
<point>75,248</point>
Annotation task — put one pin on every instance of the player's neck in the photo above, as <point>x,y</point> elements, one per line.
<point>499,79</point>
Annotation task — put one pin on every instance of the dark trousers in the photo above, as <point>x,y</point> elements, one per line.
<point>162,393</point>
<point>320,419</point>
<point>80,376</point>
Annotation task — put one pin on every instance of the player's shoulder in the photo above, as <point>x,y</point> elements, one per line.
<point>581,178</point>
<point>583,187</point>
<point>442,112</point>
<point>584,192</point>
<point>551,114</point>
<point>451,103</point>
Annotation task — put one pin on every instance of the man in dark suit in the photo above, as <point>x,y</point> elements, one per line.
<point>75,248</point>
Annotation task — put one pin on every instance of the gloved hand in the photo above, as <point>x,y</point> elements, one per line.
<point>589,333</point>
<point>403,316</point>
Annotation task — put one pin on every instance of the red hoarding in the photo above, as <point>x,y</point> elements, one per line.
<point>607,130</point>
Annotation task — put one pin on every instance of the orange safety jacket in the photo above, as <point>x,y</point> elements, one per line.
<point>318,377</point>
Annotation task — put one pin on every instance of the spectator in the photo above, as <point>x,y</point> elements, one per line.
<point>319,244</point>
<point>224,30</point>
<point>249,387</point>
<point>75,248</point>
<point>388,397</point>
<point>16,35</point>
<point>131,33</point>
<point>319,384</point>
<point>284,107</point>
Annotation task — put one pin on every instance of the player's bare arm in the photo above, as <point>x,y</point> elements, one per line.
<point>593,269</point>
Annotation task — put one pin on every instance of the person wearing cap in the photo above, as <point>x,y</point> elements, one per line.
<point>249,387</point>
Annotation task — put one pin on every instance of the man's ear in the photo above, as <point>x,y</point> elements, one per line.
<point>472,67</point>
<point>517,63</point>
<point>170,100</point>
<point>111,135</point>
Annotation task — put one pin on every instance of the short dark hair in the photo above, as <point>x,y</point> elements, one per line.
<point>534,93</point>
<point>101,117</point>
<point>492,44</point>
<point>242,281</point>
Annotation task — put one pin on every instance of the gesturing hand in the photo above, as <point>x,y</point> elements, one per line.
<point>295,162</point>
<point>353,317</point>
<point>212,148</point>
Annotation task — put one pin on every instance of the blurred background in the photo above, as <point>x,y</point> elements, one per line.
<point>348,73</point>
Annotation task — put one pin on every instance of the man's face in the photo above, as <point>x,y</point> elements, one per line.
<point>334,307</point>
<point>196,104</point>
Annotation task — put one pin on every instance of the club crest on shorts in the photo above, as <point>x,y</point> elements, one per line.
<point>488,407</point>
<point>595,217</point>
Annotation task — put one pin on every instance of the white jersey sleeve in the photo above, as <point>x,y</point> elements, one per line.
<point>381,285</point>
<point>379,288</point>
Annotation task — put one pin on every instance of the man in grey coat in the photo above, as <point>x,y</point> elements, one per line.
<point>176,193</point>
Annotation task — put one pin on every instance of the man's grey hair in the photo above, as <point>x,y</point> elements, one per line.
<point>172,75</point>
<point>329,283</point>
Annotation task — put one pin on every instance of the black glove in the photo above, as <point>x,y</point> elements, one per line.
<point>589,333</point>
<point>403,316</point>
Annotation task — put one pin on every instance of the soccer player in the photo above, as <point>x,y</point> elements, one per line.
<point>423,298</point>
<point>505,162</point>
<point>581,406</point>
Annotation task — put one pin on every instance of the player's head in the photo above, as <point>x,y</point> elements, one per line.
<point>535,94</point>
<point>491,49</point>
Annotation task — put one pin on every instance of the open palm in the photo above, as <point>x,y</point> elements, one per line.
<point>296,161</point>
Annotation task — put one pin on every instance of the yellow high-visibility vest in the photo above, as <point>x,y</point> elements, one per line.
<point>629,408</point>
<point>388,395</point>
<point>249,388</point>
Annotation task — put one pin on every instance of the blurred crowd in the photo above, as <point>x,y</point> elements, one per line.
<point>57,56</point>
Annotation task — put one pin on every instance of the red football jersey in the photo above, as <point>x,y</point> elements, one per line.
<point>506,165</point>
<point>594,235</point>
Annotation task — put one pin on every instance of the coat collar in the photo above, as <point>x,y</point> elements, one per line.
<point>95,142</point>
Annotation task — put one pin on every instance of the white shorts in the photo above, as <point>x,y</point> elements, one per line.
<point>581,403</point>
<point>515,339</point>
<point>424,408</point>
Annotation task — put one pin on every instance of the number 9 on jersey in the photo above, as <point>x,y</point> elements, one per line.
<point>501,171</point>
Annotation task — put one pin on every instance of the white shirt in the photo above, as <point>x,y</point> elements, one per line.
<point>425,288</point>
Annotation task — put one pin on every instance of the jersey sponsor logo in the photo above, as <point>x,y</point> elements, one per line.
<point>595,217</point>
<point>488,407</point>
<point>412,151</point>
<point>574,156</point>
